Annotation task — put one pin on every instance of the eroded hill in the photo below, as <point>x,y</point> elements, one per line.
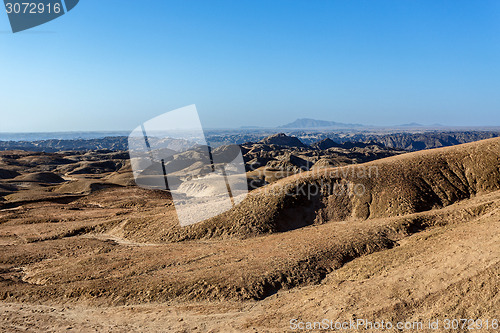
<point>419,242</point>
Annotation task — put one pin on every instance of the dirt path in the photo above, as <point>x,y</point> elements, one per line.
<point>449,271</point>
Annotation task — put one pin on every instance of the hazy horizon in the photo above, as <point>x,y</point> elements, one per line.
<point>401,127</point>
<point>86,135</point>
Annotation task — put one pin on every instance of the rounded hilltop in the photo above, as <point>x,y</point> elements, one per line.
<point>281,139</point>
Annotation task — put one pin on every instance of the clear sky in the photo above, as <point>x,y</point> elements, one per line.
<point>112,64</point>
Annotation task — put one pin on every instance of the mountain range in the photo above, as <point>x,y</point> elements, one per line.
<point>313,123</point>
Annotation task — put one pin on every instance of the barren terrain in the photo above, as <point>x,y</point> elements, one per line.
<point>82,248</point>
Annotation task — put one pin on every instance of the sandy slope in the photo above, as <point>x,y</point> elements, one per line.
<point>104,261</point>
<point>445,272</point>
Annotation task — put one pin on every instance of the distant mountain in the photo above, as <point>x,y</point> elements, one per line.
<point>313,123</point>
<point>411,125</point>
<point>414,125</point>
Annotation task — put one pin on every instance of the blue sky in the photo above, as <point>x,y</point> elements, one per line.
<point>110,65</point>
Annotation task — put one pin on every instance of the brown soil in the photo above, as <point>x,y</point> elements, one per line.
<point>421,244</point>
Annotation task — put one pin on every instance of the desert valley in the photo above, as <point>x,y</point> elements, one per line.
<point>83,248</point>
